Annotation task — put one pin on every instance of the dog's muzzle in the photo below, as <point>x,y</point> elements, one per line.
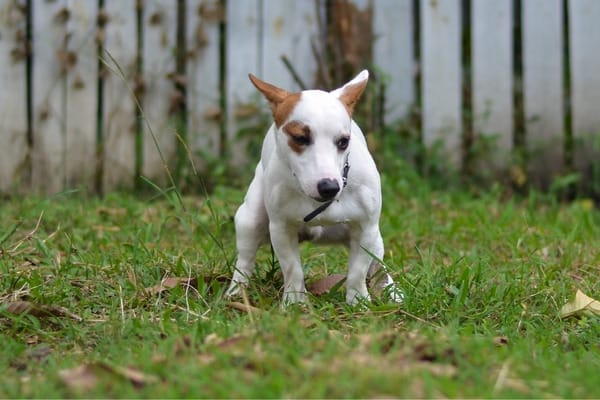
<point>330,188</point>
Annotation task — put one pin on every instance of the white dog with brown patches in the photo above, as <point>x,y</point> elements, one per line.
<point>315,181</point>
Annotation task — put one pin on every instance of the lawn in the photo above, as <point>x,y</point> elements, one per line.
<point>83,312</point>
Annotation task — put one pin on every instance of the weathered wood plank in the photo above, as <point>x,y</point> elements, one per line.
<point>584,36</point>
<point>288,28</point>
<point>160,22</point>
<point>50,61</point>
<point>13,113</point>
<point>491,56</point>
<point>393,55</point>
<point>441,79</point>
<point>204,109</point>
<point>82,94</point>
<point>119,107</point>
<point>243,51</point>
<point>543,89</point>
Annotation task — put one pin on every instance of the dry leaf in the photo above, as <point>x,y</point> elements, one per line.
<point>500,341</point>
<point>135,376</point>
<point>83,377</point>
<point>111,211</point>
<point>170,283</point>
<point>581,305</point>
<point>324,285</point>
<point>236,345</point>
<point>33,355</point>
<point>243,307</point>
<point>38,310</point>
<point>87,376</point>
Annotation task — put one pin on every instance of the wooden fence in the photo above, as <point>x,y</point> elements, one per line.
<point>71,71</point>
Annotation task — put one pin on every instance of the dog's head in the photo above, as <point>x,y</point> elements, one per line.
<point>313,132</point>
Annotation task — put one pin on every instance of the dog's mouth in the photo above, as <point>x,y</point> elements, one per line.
<point>322,199</point>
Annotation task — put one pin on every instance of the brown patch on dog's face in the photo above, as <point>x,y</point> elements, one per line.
<point>351,94</point>
<point>299,136</point>
<point>283,110</point>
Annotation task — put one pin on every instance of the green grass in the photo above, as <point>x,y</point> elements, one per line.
<point>484,277</point>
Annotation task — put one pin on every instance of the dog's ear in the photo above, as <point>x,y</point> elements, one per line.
<point>272,93</point>
<point>351,91</point>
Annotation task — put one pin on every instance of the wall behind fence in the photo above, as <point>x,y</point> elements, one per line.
<point>520,74</point>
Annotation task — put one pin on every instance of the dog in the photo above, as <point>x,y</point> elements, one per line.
<point>316,181</point>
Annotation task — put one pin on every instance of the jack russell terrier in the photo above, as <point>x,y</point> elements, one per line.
<point>315,181</point>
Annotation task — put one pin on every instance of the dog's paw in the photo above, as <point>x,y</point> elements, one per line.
<point>393,293</point>
<point>290,298</point>
<point>383,286</point>
<point>234,289</point>
<point>355,298</point>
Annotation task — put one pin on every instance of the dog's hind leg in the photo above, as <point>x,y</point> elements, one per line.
<point>251,230</point>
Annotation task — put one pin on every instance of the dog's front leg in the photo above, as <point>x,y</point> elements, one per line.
<point>284,239</point>
<point>362,238</point>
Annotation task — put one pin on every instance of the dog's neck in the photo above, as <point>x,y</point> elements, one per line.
<point>324,206</point>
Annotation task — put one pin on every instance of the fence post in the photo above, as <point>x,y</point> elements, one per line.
<point>393,55</point>
<point>543,88</point>
<point>492,84</point>
<point>119,107</point>
<point>584,38</point>
<point>13,96</point>
<point>82,89</point>
<point>441,82</point>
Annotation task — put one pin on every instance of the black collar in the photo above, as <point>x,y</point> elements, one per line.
<point>324,206</point>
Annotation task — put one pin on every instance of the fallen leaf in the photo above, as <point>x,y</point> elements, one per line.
<point>87,376</point>
<point>83,377</point>
<point>33,355</point>
<point>324,285</point>
<point>170,283</point>
<point>500,341</point>
<point>135,376</point>
<point>38,310</point>
<point>581,305</point>
<point>243,307</point>
<point>211,282</point>
<point>111,211</point>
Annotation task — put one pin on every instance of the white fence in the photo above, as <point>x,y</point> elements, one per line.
<point>69,120</point>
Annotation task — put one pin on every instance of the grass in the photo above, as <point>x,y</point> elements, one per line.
<point>484,277</point>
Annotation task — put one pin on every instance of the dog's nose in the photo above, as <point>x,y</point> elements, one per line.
<point>328,188</point>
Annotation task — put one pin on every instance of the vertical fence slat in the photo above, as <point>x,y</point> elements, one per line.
<point>543,55</point>
<point>492,83</point>
<point>584,35</point>
<point>119,108</point>
<point>82,89</point>
<point>393,54</point>
<point>204,109</point>
<point>13,116</point>
<point>160,24</point>
<point>441,80</point>
<point>288,28</point>
<point>243,56</point>
<point>50,57</point>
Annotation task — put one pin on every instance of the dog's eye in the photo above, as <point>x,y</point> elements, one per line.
<point>342,143</point>
<point>301,140</point>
